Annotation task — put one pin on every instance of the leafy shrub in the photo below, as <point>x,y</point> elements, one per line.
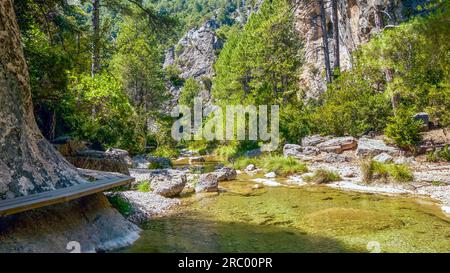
<point>144,186</point>
<point>403,130</point>
<point>120,204</point>
<point>439,155</point>
<point>385,172</point>
<point>281,165</point>
<point>322,176</point>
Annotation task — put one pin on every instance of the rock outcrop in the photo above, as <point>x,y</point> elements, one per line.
<point>373,147</point>
<point>113,160</point>
<point>356,27</point>
<point>194,56</point>
<point>90,223</point>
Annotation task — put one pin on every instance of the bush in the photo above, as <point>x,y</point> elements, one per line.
<point>439,155</point>
<point>322,176</point>
<point>144,186</point>
<point>385,172</point>
<point>281,165</point>
<point>403,130</point>
<point>120,204</point>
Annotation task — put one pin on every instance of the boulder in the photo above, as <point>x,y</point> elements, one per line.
<point>207,182</point>
<point>373,147</point>
<point>250,167</point>
<point>226,174</point>
<point>303,153</point>
<point>383,158</point>
<point>166,182</point>
<point>424,118</point>
<point>338,144</point>
<point>270,175</point>
<point>67,146</point>
<point>335,158</point>
<point>314,140</point>
<point>144,205</point>
<point>119,153</point>
<point>99,160</point>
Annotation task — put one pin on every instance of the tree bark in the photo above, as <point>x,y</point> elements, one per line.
<point>337,62</point>
<point>326,51</point>
<point>28,163</point>
<point>95,37</point>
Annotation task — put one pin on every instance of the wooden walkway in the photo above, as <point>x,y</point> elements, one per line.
<point>100,181</point>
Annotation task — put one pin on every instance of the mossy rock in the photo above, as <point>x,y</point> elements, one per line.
<point>349,221</point>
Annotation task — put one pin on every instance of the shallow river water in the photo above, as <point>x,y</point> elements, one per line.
<point>291,218</point>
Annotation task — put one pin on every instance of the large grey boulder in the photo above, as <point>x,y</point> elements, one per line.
<point>314,140</point>
<point>373,147</point>
<point>207,182</point>
<point>120,153</point>
<point>338,144</point>
<point>225,174</point>
<point>165,182</point>
<point>303,153</point>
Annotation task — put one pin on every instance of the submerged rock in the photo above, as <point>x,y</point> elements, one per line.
<point>270,175</point>
<point>196,159</point>
<point>355,221</point>
<point>207,182</point>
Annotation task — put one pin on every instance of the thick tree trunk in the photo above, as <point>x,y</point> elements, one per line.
<point>326,51</point>
<point>337,62</point>
<point>28,163</point>
<point>95,37</point>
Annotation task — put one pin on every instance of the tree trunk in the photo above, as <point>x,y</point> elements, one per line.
<point>95,37</point>
<point>326,51</point>
<point>389,73</point>
<point>28,163</point>
<point>337,62</point>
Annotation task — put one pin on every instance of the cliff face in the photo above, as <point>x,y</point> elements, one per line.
<point>194,55</point>
<point>356,27</point>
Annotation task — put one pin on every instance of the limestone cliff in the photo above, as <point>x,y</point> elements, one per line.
<point>356,26</point>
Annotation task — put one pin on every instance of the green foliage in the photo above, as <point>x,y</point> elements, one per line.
<point>191,89</point>
<point>166,151</point>
<point>403,129</point>
<point>281,165</point>
<point>144,186</point>
<point>352,106</point>
<point>442,154</point>
<point>322,176</point>
<point>173,75</point>
<point>259,64</point>
<point>385,172</point>
<point>121,205</point>
<point>101,113</point>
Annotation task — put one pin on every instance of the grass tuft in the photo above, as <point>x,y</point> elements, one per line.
<point>322,176</point>
<point>385,172</point>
